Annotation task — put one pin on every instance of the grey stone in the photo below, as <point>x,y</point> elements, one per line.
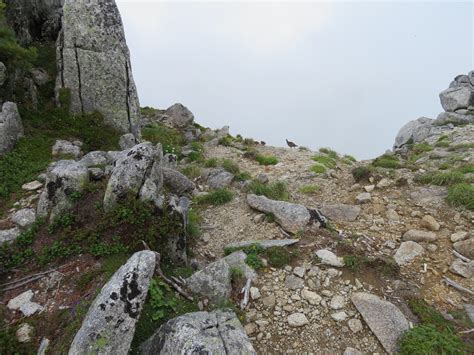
<point>218,332</point>
<point>363,197</point>
<point>407,252</point>
<point>297,320</point>
<point>24,333</point>
<point>40,76</point>
<point>32,186</point>
<point>312,297</point>
<point>62,147</point>
<point>219,178</point>
<point>339,316</point>
<point>3,73</point>
<point>415,235</point>
<point>127,141</point>
<point>352,351</point>
<point>299,271</point>
<point>385,320</point>
<point>355,325</point>
<point>11,128</point>
<point>265,244</point>
<point>113,314</point>
<point>178,183</point>
<point>23,303</point>
<point>337,302</point>
<point>170,161</point>
<point>458,236</point>
<point>430,223</point>
<point>341,212</point>
<point>465,269</point>
<point>427,195</point>
<point>9,235</point>
<point>465,247</point>
<point>214,281</point>
<point>291,217</point>
<point>24,218</point>
<point>179,116</point>
<point>96,174</point>
<point>469,308</point>
<point>329,258</point>
<point>446,118</point>
<point>414,131</point>
<point>96,158</point>
<point>94,63</point>
<point>294,282</point>
<point>139,173</point>
<point>455,98</point>
<point>63,178</point>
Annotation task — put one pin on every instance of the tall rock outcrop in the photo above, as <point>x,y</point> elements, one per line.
<point>11,128</point>
<point>94,63</point>
<point>35,20</point>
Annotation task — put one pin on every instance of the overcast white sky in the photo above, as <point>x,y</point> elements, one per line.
<point>346,75</point>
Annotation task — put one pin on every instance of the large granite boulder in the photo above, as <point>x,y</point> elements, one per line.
<point>138,173</point>
<point>413,131</point>
<point>94,63</point>
<point>63,179</point>
<point>291,217</point>
<point>177,182</point>
<point>179,116</point>
<point>459,95</point>
<point>218,332</point>
<point>109,325</point>
<point>34,20</point>
<point>11,128</point>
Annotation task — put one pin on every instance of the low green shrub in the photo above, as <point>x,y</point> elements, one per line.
<point>216,197</point>
<point>387,161</point>
<point>192,171</point>
<point>211,163</point>
<point>243,176</point>
<point>231,166</point>
<point>440,178</point>
<point>318,169</point>
<point>276,190</point>
<point>362,173</point>
<point>422,148</point>
<point>331,153</point>
<point>426,339</point>
<point>170,139</point>
<point>325,160</point>
<point>279,256</point>
<point>266,160</point>
<point>461,195</point>
<point>309,189</point>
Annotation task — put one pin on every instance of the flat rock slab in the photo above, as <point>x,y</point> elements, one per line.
<point>385,320</point>
<point>407,252</point>
<point>109,325</point>
<point>265,244</point>
<point>419,236</point>
<point>291,217</point>
<point>32,186</point>
<point>329,258</point>
<point>23,303</point>
<point>428,195</point>
<point>24,218</point>
<point>465,247</point>
<point>218,332</point>
<point>341,212</point>
<point>214,281</point>
<point>9,235</point>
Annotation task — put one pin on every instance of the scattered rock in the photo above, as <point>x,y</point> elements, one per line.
<point>465,247</point>
<point>293,282</point>
<point>218,332</point>
<point>297,320</point>
<point>62,147</point>
<point>407,252</point>
<point>355,325</point>
<point>32,186</point>
<point>24,333</point>
<point>291,217</point>
<point>9,235</point>
<point>170,161</point>
<point>250,328</point>
<point>465,269</point>
<point>177,182</point>
<point>254,293</point>
<point>369,188</point>
<point>392,215</point>
<point>24,218</point>
<point>269,301</point>
<point>63,179</point>
<point>363,197</point>
<point>219,178</point>
<point>384,183</point>
<point>352,351</point>
<point>458,236</point>
<point>95,159</point>
<point>329,258</point>
<point>11,128</point>
<point>214,281</point>
<point>113,314</point>
<point>312,297</point>
<point>341,212</point>
<point>469,308</point>
<point>419,236</point>
<point>430,223</point>
<point>337,302</point>
<point>339,316</point>
<point>299,271</point>
<point>385,320</point>
<point>428,195</point>
<point>179,116</point>
<point>23,303</point>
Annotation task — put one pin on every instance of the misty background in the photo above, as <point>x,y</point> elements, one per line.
<point>345,75</point>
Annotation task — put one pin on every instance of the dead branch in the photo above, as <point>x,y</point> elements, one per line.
<point>460,256</point>
<point>27,278</point>
<point>457,286</point>
<point>245,291</point>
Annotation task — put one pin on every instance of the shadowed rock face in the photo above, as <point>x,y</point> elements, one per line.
<point>94,63</point>
<point>35,20</point>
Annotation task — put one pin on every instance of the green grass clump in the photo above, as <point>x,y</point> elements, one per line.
<point>348,159</point>
<point>362,173</point>
<point>231,166</point>
<point>466,169</point>
<point>243,176</point>
<point>266,160</point>
<point>354,262</point>
<point>387,161</point>
<point>309,189</point>
<point>464,146</point>
<point>279,256</point>
<point>441,178</point>
<point>211,163</point>
<point>192,171</point>
<point>216,197</point>
<point>275,190</point>
<point>422,148</point>
<point>442,144</point>
<point>331,153</point>
<point>10,344</point>
<point>325,160</point>
<point>426,339</point>
<point>226,141</point>
<point>461,195</point>
<point>170,139</point>
<point>254,261</point>
<point>318,169</point>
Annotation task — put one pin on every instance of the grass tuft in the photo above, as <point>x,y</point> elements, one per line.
<point>441,178</point>
<point>362,173</point>
<point>387,161</point>
<point>461,195</point>
<point>325,160</point>
<point>275,191</point>
<point>216,197</point>
<point>266,160</point>
<point>231,166</point>
<point>318,169</point>
<point>309,189</point>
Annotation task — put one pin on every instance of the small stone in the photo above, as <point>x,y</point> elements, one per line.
<point>415,235</point>
<point>9,235</point>
<point>407,252</point>
<point>329,258</point>
<point>337,302</point>
<point>339,316</point>
<point>24,333</point>
<point>259,218</point>
<point>352,351</point>
<point>431,248</point>
<point>465,247</point>
<point>299,271</point>
<point>254,293</point>
<point>364,197</point>
<point>355,325</point>
<point>32,186</point>
<point>24,218</point>
<point>384,183</point>
<point>23,303</point>
<point>269,301</point>
<point>392,215</point>
<point>250,328</point>
<point>297,320</point>
<point>458,236</point>
<point>369,188</point>
<point>312,297</point>
<point>430,223</point>
<point>465,269</point>
<point>293,282</point>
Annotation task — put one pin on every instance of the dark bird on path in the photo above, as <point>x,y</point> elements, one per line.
<point>291,144</point>
<point>263,143</point>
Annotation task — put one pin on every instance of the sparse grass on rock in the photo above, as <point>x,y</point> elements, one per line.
<point>461,195</point>
<point>318,168</point>
<point>441,178</point>
<point>266,160</point>
<point>216,197</point>
<point>309,189</point>
<point>325,160</point>
<point>362,173</point>
<point>231,166</point>
<point>387,161</point>
<point>170,139</point>
<point>276,191</point>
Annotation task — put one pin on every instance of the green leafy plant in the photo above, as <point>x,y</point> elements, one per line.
<point>254,261</point>
<point>160,303</point>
